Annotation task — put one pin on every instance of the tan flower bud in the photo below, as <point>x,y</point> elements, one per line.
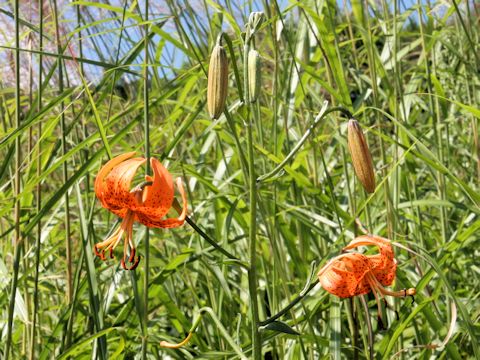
<point>254,76</point>
<point>255,20</point>
<point>361,158</point>
<point>217,82</point>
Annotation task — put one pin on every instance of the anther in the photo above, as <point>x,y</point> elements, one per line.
<point>100,254</point>
<point>135,262</point>
<point>132,255</point>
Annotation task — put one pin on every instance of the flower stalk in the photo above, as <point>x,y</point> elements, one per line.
<point>254,22</point>
<point>252,186</point>
<point>18,158</point>
<point>146,129</point>
<point>321,115</point>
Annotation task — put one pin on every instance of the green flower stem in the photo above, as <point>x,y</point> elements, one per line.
<point>68,240</point>
<point>209,240</point>
<point>252,187</point>
<point>233,61</point>
<point>323,112</point>
<point>290,305</point>
<point>18,239</point>
<point>146,128</point>
<point>368,320</point>
<point>231,124</point>
<point>178,208</point>
<point>38,195</point>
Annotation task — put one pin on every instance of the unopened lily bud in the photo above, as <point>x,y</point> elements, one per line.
<point>361,158</point>
<point>254,76</point>
<point>217,82</point>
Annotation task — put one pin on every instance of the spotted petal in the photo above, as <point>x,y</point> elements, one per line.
<point>384,264</point>
<point>104,171</point>
<point>157,198</point>
<point>118,185</point>
<point>167,223</point>
<point>384,269</point>
<point>344,275</point>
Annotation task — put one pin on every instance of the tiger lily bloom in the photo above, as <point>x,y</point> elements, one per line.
<point>146,204</point>
<point>354,274</point>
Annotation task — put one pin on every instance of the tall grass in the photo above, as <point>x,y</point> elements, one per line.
<point>271,189</point>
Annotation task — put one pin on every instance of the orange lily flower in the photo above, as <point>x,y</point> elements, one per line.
<point>355,274</point>
<point>145,204</point>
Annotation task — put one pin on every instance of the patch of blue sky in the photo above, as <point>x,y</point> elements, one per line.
<point>101,41</point>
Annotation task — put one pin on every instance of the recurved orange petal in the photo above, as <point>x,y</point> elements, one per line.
<point>118,185</point>
<point>157,198</point>
<point>99,185</point>
<point>164,223</point>
<point>384,265</point>
<point>167,223</point>
<point>344,275</point>
<point>384,272</point>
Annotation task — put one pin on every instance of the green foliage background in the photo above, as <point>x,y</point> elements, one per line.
<point>411,78</point>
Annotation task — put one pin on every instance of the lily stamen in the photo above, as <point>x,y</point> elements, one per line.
<point>109,244</point>
<point>400,293</point>
<point>379,306</point>
<point>377,287</point>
